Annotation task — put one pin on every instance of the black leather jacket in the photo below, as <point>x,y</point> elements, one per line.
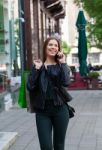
<point>37,83</point>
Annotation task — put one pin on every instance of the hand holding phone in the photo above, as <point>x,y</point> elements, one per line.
<point>60,57</point>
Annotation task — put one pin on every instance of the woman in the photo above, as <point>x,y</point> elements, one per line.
<point>43,82</point>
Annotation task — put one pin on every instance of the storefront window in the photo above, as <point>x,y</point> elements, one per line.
<point>3,78</point>
<point>94,57</point>
<point>74,58</point>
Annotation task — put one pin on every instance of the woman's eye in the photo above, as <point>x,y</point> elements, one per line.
<point>53,45</point>
<point>50,44</point>
<point>56,45</point>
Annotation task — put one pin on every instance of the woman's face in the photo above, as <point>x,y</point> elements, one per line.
<point>52,48</point>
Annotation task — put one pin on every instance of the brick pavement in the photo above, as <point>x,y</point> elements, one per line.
<point>84,130</point>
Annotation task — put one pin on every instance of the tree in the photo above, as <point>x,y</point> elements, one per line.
<point>93,8</point>
<point>65,47</point>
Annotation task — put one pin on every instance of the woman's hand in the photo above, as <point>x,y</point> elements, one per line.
<point>61,57</point>
<point>37,63</point>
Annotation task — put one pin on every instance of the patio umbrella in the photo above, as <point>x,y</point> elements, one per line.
<point>82,44</point>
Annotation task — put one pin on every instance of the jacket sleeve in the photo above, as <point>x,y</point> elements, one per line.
<point>64,75</point>
<point>33,79</point>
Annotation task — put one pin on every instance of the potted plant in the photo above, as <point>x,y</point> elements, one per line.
<point>93,75</point>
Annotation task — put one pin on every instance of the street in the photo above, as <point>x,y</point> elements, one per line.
<point>84,130</point>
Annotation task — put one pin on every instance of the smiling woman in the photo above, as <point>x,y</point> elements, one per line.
<point>51,110</point>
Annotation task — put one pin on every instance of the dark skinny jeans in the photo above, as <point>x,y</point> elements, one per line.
<point>52,119</point>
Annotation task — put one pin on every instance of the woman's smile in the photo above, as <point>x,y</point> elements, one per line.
<point>53,51</point>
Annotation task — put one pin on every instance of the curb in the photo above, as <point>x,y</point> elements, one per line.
<point>7,139</point>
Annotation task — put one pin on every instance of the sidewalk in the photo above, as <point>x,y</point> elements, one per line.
<point>84,130</point>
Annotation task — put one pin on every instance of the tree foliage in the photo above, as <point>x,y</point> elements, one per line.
<point>94,10</point>
<point>65,47</point>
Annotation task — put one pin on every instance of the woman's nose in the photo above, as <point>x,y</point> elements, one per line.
<point>53,46</point>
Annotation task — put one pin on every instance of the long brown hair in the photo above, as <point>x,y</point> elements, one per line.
<point>45,45</point>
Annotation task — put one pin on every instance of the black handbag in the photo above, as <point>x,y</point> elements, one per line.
<point>64,94</point>
<point>71,111</point>
<point>67,98</point>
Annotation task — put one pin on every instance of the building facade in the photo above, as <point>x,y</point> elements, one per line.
<point>5,61</point>
<point>42,19</point>
<point>8,53</point>
<point>37,20</point>
<point>70,34</point>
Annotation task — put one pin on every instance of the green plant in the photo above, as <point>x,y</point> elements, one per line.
<point>93,74</point>
<point>65,47</point>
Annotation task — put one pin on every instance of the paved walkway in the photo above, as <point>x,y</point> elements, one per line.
<point>84,131</point>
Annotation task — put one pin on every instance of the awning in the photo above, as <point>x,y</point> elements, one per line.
<point>60,14</point>
<point>51,3</point>
<point>55,8</point>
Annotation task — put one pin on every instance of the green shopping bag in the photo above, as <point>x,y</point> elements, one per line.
<point>22,93</point>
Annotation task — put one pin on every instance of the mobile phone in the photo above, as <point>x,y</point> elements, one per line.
<point>58,56</point>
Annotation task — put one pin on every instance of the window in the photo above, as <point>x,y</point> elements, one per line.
<point>94,57</point>
<point>75,58</point>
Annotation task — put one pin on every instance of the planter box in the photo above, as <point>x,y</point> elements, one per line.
<point>94,83</point>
